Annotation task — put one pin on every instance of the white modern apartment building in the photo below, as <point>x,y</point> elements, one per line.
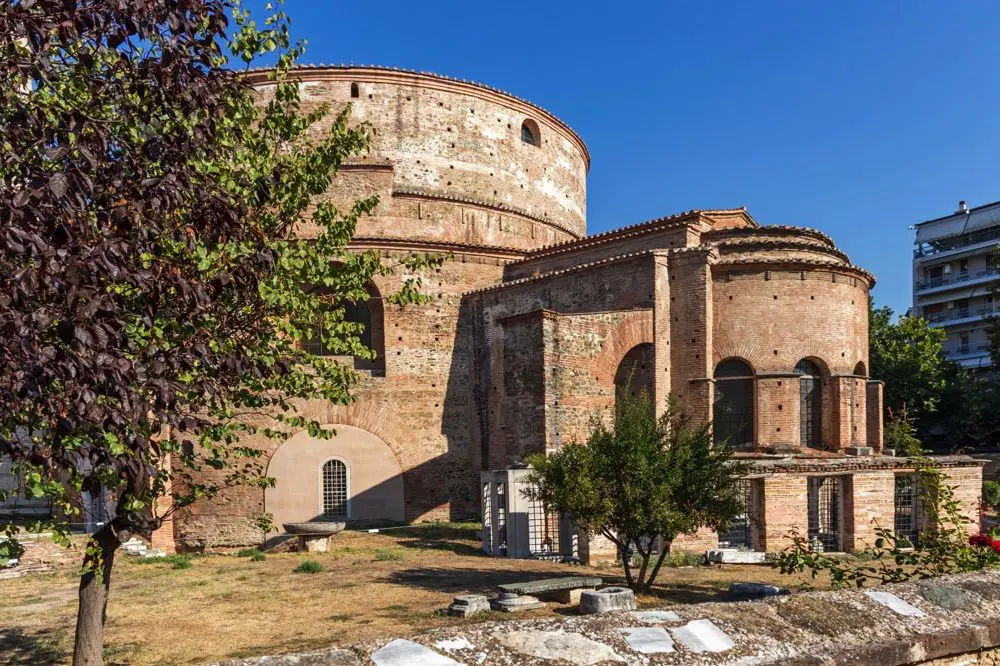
<point>953,276</point>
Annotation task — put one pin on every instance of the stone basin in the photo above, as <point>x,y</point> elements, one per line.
<point>315,527</point>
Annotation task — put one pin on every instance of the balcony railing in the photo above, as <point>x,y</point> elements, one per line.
<point>960,313</point>
<point>957,279</point>
<point>956,242</point>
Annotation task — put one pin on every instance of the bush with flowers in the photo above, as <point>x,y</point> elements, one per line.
<point>943,546</point>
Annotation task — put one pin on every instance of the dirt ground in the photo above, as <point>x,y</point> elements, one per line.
<point>372,585</point>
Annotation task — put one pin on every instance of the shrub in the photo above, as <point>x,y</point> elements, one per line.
<point>388,556</point>
<point>685,559</point>
<point>309,567</point>
<point>258,557</point>
<point>991,493</point>
<point>247,552</point>
<point>178,561</point>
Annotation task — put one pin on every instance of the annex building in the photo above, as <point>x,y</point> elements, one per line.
<point>761,330</point>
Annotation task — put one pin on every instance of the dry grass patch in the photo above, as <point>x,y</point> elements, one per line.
<point>370,586</point>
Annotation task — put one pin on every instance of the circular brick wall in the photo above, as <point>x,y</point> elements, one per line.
<point>448,159</point>
<point>784,294</point>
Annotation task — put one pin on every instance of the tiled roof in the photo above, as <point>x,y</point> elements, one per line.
<point>783,243</point>
<point>807,262</point>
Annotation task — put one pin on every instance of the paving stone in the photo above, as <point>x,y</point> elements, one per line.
<point>949,597</point>
<point>656,616</point>
<point>468,604</point>
<point>574,648</point>
<point>735,556</point>
<point>401,652</point>
<point>329,658</point>
<point>607,600</point>
<point>702,636</point>
<point>648,640</point>
<point>894,603</point>
<point>452,644</point>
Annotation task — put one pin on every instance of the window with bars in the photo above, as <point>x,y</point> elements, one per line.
<point>739,533</point>
<point>810,403</point>
<point>732,413</point>
<point>824,498</point>
<point>335,489</point>
<point>907,515</point>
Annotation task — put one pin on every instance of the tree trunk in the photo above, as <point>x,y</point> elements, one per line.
<point>623,554</point>
<point>664,549</point>
<point>88,649</point>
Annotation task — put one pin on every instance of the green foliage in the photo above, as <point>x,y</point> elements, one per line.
<point>943,546</point>
<point>900,434</point>
<point>176,561</point>
<point>258,557</point>
<point>248,552</point>
<point>684,559</point>
<point>388,556</point>
<point>11,549</point>
<point>647,477</point>
<point>908,356</point>
<point>991,494</point>
<point>308,567</point>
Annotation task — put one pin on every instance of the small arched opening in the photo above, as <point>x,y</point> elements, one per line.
<point>355,92</point>
<point>810,403</point>
<point>860,370</point>
<point>733,405</point>
<point>530,132</point>
<point>635,372</point>
<point>335,482</point>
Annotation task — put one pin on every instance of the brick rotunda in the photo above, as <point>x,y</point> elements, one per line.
<point>760,330</point>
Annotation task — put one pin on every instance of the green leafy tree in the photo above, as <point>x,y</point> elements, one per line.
<point>646,477</point>
<point>900,434</point>
<point>153,290</point>
<point>907,354</point>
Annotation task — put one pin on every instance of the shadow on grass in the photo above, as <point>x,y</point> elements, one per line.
<point>39,649</point>
<point>441,532</point>
<point>457,547</point>
<point>483,581</point>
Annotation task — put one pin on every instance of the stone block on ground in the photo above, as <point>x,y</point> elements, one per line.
<point>512,603</point>
<point>703,636</point>
<point>756,590</point>
<point>949,597</point>
<point>573,648</point>
<point>607,600</point>
<point>402,652</point>
<point>656,616</point>
<point>545,585</point>
<point>468,604</point>
<point>894,603</point>
<point>648,640</point>
<point>735,556</point>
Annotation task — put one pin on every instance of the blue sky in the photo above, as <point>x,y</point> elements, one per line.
<point>858,118</point>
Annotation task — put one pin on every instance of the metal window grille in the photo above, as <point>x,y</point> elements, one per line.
<point>335,491</point>
<point>543,530</point>
<point>527,136</point>
<point>824,498</point>
<point>487,498</point>
<point>739,533</point>
<point>502,518</point>
<point>907,514</point>
<point>810,400</point>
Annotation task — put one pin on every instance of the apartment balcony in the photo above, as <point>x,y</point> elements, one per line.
<point>966,279</point>
<point>970,356</point>
<point>981,237</point>
<point>958,316</point>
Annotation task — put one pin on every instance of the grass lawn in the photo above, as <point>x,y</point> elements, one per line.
<point>210,608</point>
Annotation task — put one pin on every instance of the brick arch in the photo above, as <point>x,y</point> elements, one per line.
<point>635,329</point>
<point>753,354</point>
<point>371,416</point>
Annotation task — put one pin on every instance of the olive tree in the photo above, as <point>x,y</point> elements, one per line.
<point>153,289</point>
<point>643,478</point>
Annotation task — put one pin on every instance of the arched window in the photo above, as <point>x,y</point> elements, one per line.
<point>336,489</point>
<point>810,403</point>
<point>732,414</point>
<point>860,370</point>
<point>370,315</point>
<point>530,133</point>
<point>355,93</point>
<point>635,372</point>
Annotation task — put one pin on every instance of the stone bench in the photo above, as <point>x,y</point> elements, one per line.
<point>565,590</point>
